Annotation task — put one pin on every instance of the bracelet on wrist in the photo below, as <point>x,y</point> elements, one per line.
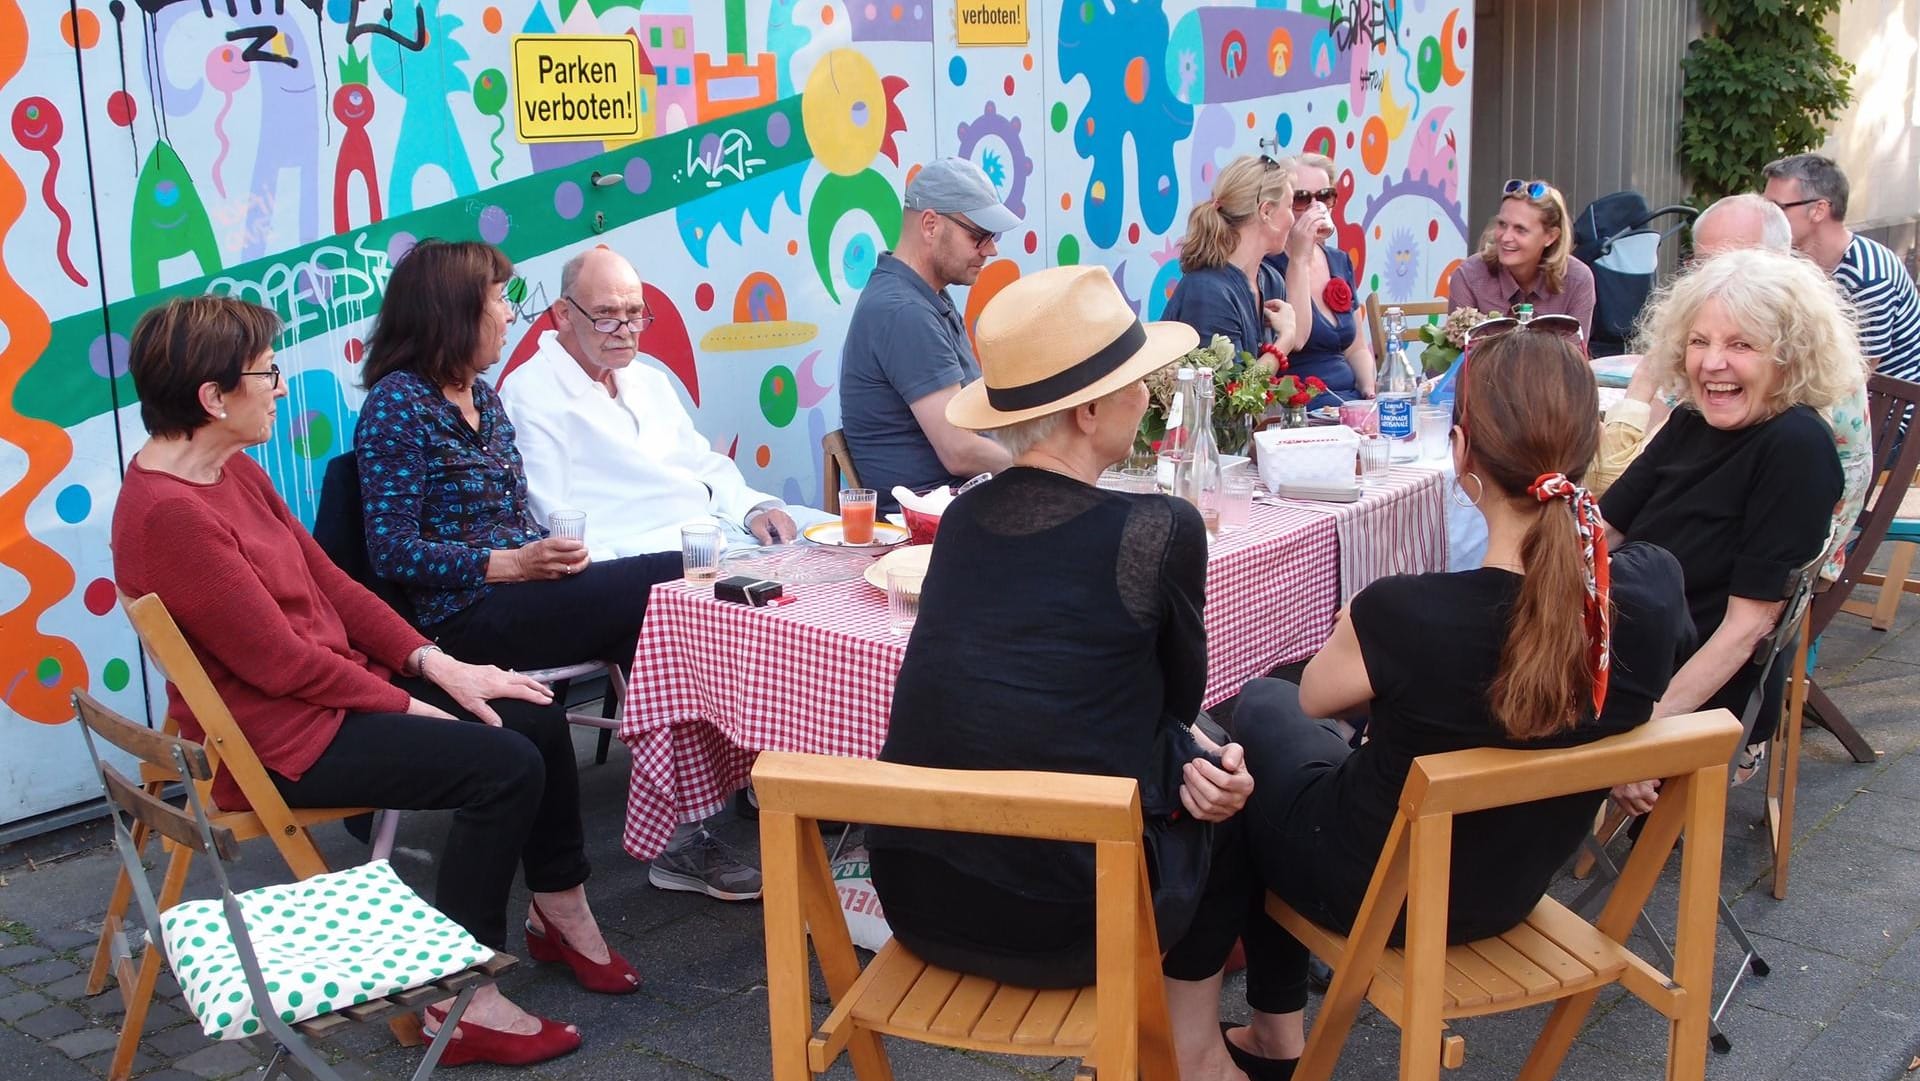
<point>419,660</point>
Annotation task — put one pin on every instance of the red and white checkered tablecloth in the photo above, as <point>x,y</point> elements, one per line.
<point>1397,527</point>
<point>713,684</point>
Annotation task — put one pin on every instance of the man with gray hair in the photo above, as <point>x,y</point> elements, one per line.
<point>907,352</point>
<point>1812,191</point>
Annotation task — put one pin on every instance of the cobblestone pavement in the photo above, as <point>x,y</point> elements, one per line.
<point>1842,1002</point>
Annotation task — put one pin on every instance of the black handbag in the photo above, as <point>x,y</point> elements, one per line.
<point>1179,847</point>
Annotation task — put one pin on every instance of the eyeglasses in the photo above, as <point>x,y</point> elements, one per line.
<point>1566,326</point>
<point>981,237</point>
<point>271,375</point>
<point>1269,161</point>
<point>1534,189</point>
<point>612,325</point>
<point>1784,207</point>
<point>1305,199</point>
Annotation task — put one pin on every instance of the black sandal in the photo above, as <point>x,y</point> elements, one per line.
<point>1256,1067</point>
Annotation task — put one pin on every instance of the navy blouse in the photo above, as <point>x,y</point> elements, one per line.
<point>439,496</point>
<point>1325,351</point>
<point>1216,300</point>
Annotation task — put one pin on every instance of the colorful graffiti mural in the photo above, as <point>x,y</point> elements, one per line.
<point>291,152</point>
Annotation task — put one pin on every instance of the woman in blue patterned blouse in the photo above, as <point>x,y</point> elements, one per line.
<point>445,493</point>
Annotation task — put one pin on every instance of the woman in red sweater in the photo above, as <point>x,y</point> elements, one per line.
<point>343,701</point>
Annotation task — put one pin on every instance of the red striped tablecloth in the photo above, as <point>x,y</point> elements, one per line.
<point>713,684</point>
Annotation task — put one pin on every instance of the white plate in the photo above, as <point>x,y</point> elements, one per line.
<point>898,519</point>
<point>914,557</point>
<point>884,535</point>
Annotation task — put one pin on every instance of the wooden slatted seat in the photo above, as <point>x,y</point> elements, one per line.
<point>1554,955</point>
<point>1118,1028</point>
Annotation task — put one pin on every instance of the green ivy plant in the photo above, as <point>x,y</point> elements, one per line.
<point>1761,82</point>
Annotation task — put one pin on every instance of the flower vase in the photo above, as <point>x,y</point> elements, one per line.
<point>1233,434</point>
<point>1296,416</point>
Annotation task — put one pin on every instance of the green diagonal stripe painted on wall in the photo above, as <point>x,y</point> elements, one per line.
<point>63,388</point>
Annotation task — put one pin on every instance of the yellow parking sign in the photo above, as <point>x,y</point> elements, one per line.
<point>990,22</point>
<point>570,87</point>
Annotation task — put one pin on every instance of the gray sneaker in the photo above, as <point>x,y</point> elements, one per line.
<point>705,865</point>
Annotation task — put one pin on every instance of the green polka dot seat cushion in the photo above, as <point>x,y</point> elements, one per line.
<point>331,941</point>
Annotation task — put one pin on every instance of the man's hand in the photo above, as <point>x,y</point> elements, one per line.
<point>772,526</point>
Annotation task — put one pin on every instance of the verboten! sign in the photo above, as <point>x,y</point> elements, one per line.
<point>572,87</point>
<point>990,22</point>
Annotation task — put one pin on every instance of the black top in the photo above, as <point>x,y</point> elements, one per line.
<point>1742,510</point>
<point>1431,644</point>
<point>1059,627</point>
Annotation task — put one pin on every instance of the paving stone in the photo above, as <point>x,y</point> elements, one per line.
<point>21,1003</point>
<point>1904,965</point>
<point>142,1062</point>
<point>22,953</point>
<point>1803,983</point>
<point>177,1042</point>
<point>45,972</point>
<point>71,989</point>
<point>27,1057</point>
<point>1890,819</point>
<point>8,985</point>
<point>65,939</point>
<point>1874,1037</point>
<point>168,1074</point>
<point>48,1023</point>
<point>1861,909</point>
<point>85,1042</point>
<point>221,1060</point>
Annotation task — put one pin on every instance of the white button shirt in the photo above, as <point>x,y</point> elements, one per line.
<point>633,462</point>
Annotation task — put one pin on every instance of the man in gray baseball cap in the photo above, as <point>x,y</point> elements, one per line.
<point>907,352</point>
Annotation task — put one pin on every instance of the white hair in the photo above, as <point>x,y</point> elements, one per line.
<point>1024,436</point>
<point>1776,234</point>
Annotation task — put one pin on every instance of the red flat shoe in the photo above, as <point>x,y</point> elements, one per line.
<point>475,1043</point>
<point>610,977</point>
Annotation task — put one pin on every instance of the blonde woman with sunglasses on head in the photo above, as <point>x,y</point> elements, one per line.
<point>1526,257</point>
<point>1329,344</point>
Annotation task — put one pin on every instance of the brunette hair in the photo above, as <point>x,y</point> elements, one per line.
<point>186,343</point>
<point>429,321</point>
<point>1527,406</point>
<point>1213,225</point>
<point>1553,215</point>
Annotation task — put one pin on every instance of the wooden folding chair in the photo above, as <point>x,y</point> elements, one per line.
<point>269,817</point>
<point>1903,534</point>
<point>201,940</point>
<point>1416,312</point>
<point>1554,956</point>
<point>1118,1028</point>
<point>836,470</point>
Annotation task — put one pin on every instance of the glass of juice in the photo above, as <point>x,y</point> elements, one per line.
<point>856,515</point>
<point>700,547</point>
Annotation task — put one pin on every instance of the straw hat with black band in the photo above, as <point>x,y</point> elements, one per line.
<point>1059,338</point>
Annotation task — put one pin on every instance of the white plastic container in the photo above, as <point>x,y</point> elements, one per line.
<point>1318,457</point>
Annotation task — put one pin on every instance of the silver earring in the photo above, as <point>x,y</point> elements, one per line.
<point>1460,489</point>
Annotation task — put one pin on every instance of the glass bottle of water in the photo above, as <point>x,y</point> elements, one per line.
<point>1176,444</point>
<point>1399,385</point>
<point>1203,469</point>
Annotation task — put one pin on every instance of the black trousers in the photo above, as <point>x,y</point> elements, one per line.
<point>514,791</point>
<point>594,615</point>
<point>1287,753</point>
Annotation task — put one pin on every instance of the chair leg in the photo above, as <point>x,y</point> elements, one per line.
<point>1783,772</point>
<point>114,922</point>
<point>384,834</point>
<point>140,996</point>
<point>1611,820</point>
<point>1898,566</point>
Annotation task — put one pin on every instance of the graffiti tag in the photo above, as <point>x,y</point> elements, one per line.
<point>1374,22</point>
<point>356,28</point>
<point>332,285</point>
<point>727,157</point>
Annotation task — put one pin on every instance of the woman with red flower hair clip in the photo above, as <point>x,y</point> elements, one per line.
<point>1330,346</point>
<point>1553,641</point>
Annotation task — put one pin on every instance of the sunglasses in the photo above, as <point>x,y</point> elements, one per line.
<point>612,324</point>
<point>1305,199</point>
<point>981,237</point>
<point>271,375</point>
<point>1534,189</point>
<point>1566,326</point>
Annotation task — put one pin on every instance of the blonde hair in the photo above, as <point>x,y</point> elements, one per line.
<point>1214,224</point>
<point>1792,309</point>
<point>1553,215</point>
<point>1313,161</point>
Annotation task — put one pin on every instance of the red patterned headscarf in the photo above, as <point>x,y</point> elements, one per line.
<point>1593,549</point>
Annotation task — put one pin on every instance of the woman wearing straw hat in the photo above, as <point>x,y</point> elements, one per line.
<point>1060,629</point>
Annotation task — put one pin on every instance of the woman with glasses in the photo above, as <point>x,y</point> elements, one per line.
<point>1555,640</point>
<point>344,703</point>
<point>445,494</point>
<point>1225,285</point>
<point>1526,257</point>
<point>1331,348</point>
<point>1742,480</point>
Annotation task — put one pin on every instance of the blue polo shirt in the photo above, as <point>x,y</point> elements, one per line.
<point>905,341</point>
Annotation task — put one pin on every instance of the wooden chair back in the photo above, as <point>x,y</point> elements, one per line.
<point>836,470</point>
<point>1890,402</point>
<point>1119,1026</point>
<point>178,759</point>
<point>1416,312</point>
<point>1555,956</point>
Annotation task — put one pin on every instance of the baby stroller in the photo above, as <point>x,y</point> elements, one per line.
<point>1615,238</point>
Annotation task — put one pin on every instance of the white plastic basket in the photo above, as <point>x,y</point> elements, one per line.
<point>1320,456</point>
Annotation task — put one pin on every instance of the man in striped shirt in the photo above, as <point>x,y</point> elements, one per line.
<point>1812,191</point>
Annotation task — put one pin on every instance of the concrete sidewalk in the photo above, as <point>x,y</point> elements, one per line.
<point>1842,1002</point>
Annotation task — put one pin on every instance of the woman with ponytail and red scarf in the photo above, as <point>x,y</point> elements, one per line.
<point>1553,641</point>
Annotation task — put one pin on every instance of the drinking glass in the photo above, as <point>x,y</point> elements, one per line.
<point>1375,452</point>
<point>1236,499</point>
<point>903,597</point>
<point>567,522</point>
<point>1434,422</point>
<point>700,552</point>
<point>1112,480</point>
<point>1141,480</point>
<point>856,515</point>
<point>1359,415</point>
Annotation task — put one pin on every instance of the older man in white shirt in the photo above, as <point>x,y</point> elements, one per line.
<point>601,434</point>
<point>604,435</point>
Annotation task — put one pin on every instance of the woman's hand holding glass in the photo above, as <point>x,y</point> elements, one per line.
<point>1215,793</point>
<point>474,685</point>
<point>553,557</point>
<point>1310,228</point>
